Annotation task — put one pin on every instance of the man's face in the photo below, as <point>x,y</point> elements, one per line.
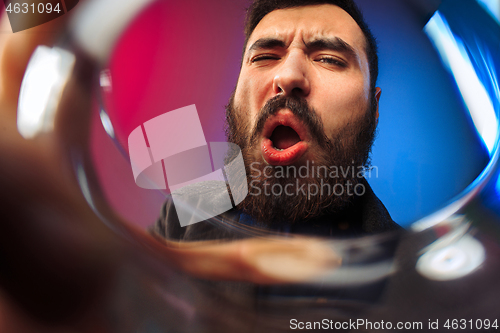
<point>313,52</point>
<point>303,97</point>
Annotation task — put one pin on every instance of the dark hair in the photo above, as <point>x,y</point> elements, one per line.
<point>260,8</point>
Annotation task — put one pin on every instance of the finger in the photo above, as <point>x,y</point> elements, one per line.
<point>15,52</point>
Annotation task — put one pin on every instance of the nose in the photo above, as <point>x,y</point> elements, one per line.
<point>291,78</point>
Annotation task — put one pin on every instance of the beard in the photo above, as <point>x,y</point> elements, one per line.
<point>290,194</point>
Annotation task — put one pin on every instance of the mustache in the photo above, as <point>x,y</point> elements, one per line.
<point>300,109</point>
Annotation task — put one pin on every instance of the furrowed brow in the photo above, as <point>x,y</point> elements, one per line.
<point>266,43</point>
<point>334,44</point>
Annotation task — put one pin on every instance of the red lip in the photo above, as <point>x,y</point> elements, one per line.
<point>291,154</point>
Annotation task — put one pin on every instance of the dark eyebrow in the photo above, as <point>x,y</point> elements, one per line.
<point>333,44</point>
<point>267,43</point>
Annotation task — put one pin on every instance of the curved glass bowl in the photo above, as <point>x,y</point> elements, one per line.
<point>443,264</point>
<point>428,133</point>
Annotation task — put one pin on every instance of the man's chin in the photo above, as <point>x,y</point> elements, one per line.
<point>290,201</point>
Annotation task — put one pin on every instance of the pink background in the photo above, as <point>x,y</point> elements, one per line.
<point>174,54</point>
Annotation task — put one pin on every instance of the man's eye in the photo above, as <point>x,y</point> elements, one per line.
<point>332,61</point>
<point>264,57</point>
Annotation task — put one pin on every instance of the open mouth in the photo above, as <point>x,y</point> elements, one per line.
<point>284,139</point>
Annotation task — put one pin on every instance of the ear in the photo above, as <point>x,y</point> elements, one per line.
<point>378,92</point>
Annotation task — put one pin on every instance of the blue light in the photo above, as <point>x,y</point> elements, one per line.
<point>492,7</point>
<point>476,98</point>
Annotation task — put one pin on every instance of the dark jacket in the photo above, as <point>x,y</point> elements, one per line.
<point>366,215</point>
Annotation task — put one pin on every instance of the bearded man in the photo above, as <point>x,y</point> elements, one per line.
<point>304,113</point>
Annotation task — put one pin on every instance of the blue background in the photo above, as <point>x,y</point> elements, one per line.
<point>427,150</point>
